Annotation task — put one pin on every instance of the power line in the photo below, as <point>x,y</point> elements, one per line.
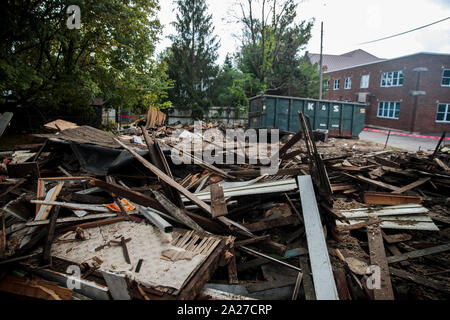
<point>399,34</point>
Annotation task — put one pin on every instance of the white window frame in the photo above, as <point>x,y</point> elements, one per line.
<point>446,112</point>
<point>348,83</point>
<point>389,79</point>
<point>364,85</point>
<point>338,81</point>
<point>388,106</point>
<point>442,79</point>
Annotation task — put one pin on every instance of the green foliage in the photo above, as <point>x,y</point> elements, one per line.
<point>191,58</point>
<point>59,70</point>
<point>270,50</point>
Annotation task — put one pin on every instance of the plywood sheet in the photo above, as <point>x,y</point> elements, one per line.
<point>146,243</point>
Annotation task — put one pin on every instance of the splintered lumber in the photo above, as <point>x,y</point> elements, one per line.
<point>297,286</point>
<point>11,188</point>
<point>378,258</point>
<point>424,281</point>
<point>251,240</point>
<point>93,224</point>
<point>232,269</point>
<point>75,206</point>
<point>2,236</point>
<point>159,160</point>
<point>308,285</point>
<point>38,289</point>
<point>176,212</point>
<point>43,212</point>
<point>390,198</point>
<point>218,203</point>
<point>324,284</point>
<point>411,186</point>
<point>395,238</point>
<point>72,219</point>
<point>272,223</point>
<point>373,182</point>
<point>418,253</point>
<point>167,179</point>
<point>266,285</point>
<point>50,236</point>
<point>131,195</point>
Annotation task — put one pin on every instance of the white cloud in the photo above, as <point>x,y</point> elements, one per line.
<point>346,24</point>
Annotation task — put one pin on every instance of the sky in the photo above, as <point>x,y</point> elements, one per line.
<point>347,23</point>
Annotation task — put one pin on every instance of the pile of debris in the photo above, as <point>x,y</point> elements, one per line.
<point>86,214</point>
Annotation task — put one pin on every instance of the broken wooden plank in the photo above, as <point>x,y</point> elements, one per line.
<point>395,238</point>
<point>93,224</point>
<point>411,186</point>
<point>308,285</point>
<point>378,258</point>
<point>424,281</point>
<point>46,258</point>
<point>266,285</point>
<point>324,284</point>
<point>167,179</point>
<point>251,240</point>
<point>218,203</point>
<point>418,253</point>
<point>2,237</point>
<point>373,182</point>
<point>71,219</point>
<point>298,282</point>
<point>38,289</point>
<point>390,198</point>
<point>272,223</point>
<point>232,269</point>
<point>75,206</point>
<point>124,192</point>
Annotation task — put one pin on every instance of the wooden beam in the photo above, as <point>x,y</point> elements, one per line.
<point>218,203</point>
<point>232,269</point>
<point>390,198</point>
<point>38,289</point>
<point>378,258</point>
<point>47,258</point>
<point>94,224</point>
<point>418,253</point>
<point>424,281</point>
<point>167,179</point>
<point>375,183</point>
<point>308,285</point>
<point>411,186</point>
<point>272,223</point>
<point>134,196</point>
<point>2,237</point>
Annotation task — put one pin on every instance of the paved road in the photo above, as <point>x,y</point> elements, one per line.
<point>401,142</point>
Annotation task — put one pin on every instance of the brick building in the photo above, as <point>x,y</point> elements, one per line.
<point>410,93</point>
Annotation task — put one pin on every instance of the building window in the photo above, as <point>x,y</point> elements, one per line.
<point>446,78</point>
<point>364,81</point>
<point>392,79</point>
<point>348,83</point>
<point>336,84</point>
<point>326,85</point>
<point>388,109</point>
<point>443,112</point>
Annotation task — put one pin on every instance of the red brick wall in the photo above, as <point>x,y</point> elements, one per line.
<point>430,82</point>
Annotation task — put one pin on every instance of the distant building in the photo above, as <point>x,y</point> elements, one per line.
<point>410,93</point>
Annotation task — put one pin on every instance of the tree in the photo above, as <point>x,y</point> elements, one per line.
<point>271,43</point>
<point>57,70</point>
<point>191,58</point>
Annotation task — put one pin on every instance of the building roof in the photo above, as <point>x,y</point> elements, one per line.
<point>333,62</point>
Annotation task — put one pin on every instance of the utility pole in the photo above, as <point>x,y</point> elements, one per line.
<point>416,93</point>
<point>321,71</point>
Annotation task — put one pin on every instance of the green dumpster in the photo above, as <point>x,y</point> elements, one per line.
<point>341,119</point>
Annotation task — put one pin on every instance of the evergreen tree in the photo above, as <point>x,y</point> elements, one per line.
<point>191,58</point>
